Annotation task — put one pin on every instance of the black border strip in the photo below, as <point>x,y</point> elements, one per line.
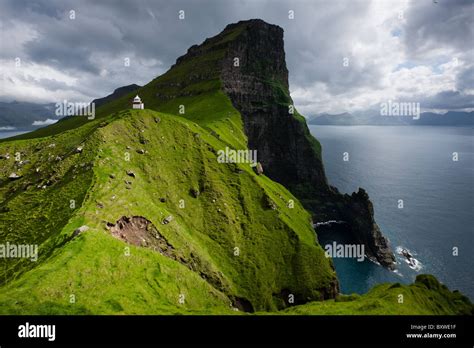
<point>244,329</point>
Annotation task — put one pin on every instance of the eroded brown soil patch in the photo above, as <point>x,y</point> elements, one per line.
<point>137,230</point>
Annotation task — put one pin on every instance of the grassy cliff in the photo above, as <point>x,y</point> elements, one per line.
<point>218,237</point>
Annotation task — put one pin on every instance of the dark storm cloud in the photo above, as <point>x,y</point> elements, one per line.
<point>149,28</point>
<point>50,84</point>
<point>442,24</point>
<point>92,47</point>
<point>152,30</point>
<point>449,100</point>
<point>465,80</point>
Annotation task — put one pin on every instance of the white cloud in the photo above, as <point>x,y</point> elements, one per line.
<point>46,122</point>
<point>29,81</point>
<point>13,37</point>
<point>378,50</point>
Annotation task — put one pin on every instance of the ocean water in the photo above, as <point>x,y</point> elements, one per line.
<point>414,164</point>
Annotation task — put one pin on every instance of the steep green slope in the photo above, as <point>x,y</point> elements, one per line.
<point>194,84</point>
<point>216,208</point>
<point>54,180</point>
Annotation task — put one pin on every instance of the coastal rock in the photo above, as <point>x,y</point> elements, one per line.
<point>359,212</point>
<point>259,91</point>
<point>409,258</point>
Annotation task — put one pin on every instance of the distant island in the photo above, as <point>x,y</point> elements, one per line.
<point>373,118</point>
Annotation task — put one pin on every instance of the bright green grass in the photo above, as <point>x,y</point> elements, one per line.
<point>277,248</point>
<point>36,207</point>
<point>94,269</point>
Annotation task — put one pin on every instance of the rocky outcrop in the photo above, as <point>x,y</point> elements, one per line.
<point>139,231</point>
<point>359,211</point>
<point>14,176</point>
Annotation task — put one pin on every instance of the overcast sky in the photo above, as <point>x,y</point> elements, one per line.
<point>420,51</point>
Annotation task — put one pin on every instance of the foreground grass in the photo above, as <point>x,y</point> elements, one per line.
<point>170,157</point>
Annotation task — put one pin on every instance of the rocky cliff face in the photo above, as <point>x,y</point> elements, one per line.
<point>252,71</point>
<point>258,88</point>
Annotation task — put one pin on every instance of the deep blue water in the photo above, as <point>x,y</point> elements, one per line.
<point>413,164</point>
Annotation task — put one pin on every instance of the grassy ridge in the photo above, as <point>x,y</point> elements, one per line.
<point>277,247</point>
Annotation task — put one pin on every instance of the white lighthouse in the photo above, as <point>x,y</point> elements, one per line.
<point>137,103</point>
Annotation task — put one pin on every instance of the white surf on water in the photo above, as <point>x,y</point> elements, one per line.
<point>407,256</point>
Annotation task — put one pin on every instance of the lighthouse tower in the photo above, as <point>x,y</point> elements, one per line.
<point>137,103</point>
